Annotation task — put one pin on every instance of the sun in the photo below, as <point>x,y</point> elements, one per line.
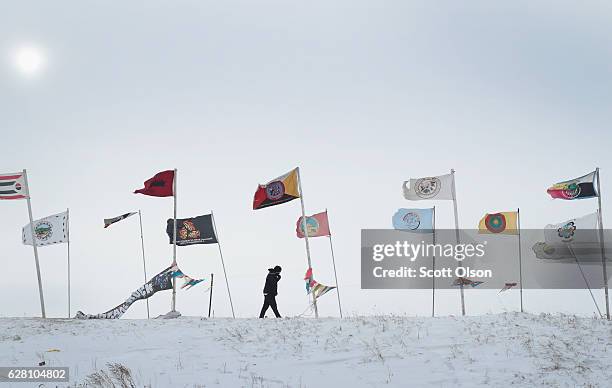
<point>29,60</point>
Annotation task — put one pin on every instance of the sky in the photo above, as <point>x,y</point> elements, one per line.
<point>361,95</point>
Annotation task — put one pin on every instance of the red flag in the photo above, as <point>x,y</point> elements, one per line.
<point>317,225</point>
<point>279,190</point>
<point>159,186</point>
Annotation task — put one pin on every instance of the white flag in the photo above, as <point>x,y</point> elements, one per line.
<point>435,187</point>
<point>576,230</point>
<point>49,230</point>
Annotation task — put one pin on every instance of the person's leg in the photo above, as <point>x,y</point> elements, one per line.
<point>272,303</point>
<point>264,308</point>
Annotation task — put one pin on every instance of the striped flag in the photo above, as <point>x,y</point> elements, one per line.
<point>579,188</point>
<point>12,186</point>
<point>109,221</point>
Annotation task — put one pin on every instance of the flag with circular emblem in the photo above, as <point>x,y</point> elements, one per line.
<point>499,223</point>
<point>433,187</point>
<point>12,186</point>
<point>316,224</point>
<point>578,188</point>
<point>48,231</point>
<point>279,190</point>
<point>413,220</point>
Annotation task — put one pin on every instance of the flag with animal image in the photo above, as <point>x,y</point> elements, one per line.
<point>578,188</point>
<point>582,230</point>
<point>277,191</point>
<point>13,186</point>
<point>499,223</point>
<point>109,221</point>
<point>48,231</point>
<point>317,225</point>
<point>434,187</point>
<point>194,230</point>
<point>160,282</point>
<point>413,220</point>
<point>161,185</point>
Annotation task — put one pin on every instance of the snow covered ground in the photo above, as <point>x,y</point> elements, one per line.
<point>494,350</point>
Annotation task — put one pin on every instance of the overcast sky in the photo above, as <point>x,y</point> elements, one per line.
<point>362,95</point>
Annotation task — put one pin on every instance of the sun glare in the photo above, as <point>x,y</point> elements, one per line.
<point>29,60</point>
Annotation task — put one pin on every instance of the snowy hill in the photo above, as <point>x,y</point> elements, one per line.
<point>495,350</point>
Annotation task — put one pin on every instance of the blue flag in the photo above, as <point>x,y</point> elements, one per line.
<point>414,220</point>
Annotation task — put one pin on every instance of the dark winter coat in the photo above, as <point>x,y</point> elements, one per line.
<point>271,283</point>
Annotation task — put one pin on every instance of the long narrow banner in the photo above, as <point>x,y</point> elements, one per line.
<point>160,282</point>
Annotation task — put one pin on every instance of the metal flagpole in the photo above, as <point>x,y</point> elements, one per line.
<point>68,236</point>
<point>601,244</point>
<point>174,242</point>
<point>314,298</point>
<point>457,235</point>
<point>212,216</point>
<point>584,278</point>
<point>433,279</point>
<point>40,290</point>
<point>212,277</point>
<point>520,254</point>
<point>144,264</point>
<point>331,247</point>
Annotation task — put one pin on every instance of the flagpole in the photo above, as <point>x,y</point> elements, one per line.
<point>520,255</point>
<point>601,245</point>
<point>212,277</point>
<point>331,247</point>
<point>569,246</point>
<point>144,264</point>
<point>212,216</point>
<point>174,241</point>
<point>68,236</point>
<point>457,235</point>
<point>433,286</point>
<point>40,290</point>
<point>314,298</point>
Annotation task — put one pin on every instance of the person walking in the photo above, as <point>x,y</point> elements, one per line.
<point>270,291</point>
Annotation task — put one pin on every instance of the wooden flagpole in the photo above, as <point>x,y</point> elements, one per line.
<point>601,245</point>
<point>212,277</point>
<point>331,247</point>
<point>174,242</point>
<point>457,235</point>
<point>40,290</point>
<point>520,255</point>
<point>229,294</point>
<point>144,264</point>
<point>433,278</point>
<point>314,298</point>
<point>68,236</point>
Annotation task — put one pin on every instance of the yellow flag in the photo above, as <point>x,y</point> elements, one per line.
<point>499,223</point>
